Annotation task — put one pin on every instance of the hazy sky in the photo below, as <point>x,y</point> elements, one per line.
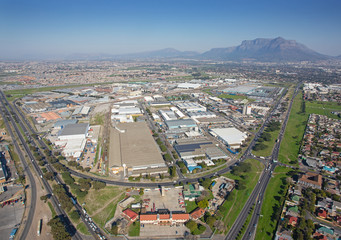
<point>49,27</point>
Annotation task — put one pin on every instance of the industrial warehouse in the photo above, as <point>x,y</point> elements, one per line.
<point>133,150</point>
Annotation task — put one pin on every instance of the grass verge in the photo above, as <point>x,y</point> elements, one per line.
<point>293,134</point>
<point>134,229</point>
<point>83,229</point>
<point>269,145</point>
<point>52,209</point>
<point>273,198</point>
<point>233,207</point>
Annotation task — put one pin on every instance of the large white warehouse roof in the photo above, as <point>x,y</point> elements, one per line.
<point>231,136</point>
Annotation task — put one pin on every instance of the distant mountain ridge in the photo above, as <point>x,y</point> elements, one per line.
<point>266,50</point>
<point>260,49</point>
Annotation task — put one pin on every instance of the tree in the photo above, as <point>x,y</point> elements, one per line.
<point>114,229</point>
<point>67,178</point>
<point>58,229</point>
<point>72,163</point>
<point>206,183</point>
<point>210,221</point>
<point>84,183</point>
<point>141,191</point>
<point>172,171</point>
<point>44,198</point>
<point>74,215</point>
<point>191,225</point>
<point>203,204</point>
<point>97,185</point>
<point>49,176</point>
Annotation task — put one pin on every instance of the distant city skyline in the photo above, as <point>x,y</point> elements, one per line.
<point>59,28</point>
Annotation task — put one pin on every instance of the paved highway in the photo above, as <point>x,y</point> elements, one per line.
<point>33,186</point>
<point>252,227</point>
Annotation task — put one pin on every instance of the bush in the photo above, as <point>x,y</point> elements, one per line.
<point>49,176</point>
<point>98,185</point>
<point>74,215</point>
<point>67,178</point>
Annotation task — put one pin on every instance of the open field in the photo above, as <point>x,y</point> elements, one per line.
<point>323,108</point>
<point>269,145</point>
<point>294,131</point>
<point>107,212</point>
<point>83,229</point>
<point>97,199</point>
<point>236,204</point>
<point>22,92</point>
<point>273,199</point>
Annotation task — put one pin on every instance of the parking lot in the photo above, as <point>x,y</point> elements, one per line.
<point>152,230</point>
<point>172,199</point>
<point>10,217</point>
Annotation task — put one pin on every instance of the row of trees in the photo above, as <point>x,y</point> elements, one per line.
<point>266,135</point>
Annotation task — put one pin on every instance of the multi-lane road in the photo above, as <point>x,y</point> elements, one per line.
<point>252,227</point>
<point>32,186</point>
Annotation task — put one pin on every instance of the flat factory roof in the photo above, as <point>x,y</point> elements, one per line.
<point>132,144</point>
<point>74,129</point>
<point>230,135</point>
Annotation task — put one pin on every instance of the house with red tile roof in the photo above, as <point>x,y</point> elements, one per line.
<point>322,213</point>
<point>293,221</point>
<point>197,213</point>
<point>171,218</point>
<point>130,214</point>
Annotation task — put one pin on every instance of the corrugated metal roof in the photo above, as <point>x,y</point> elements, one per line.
<point>74,129</point>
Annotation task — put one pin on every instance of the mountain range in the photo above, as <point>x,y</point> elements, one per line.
<point>260,49</point>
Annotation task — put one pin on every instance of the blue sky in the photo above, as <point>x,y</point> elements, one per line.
<point>81,26</point>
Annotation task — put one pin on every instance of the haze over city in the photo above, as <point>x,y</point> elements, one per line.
<point>59,28</point>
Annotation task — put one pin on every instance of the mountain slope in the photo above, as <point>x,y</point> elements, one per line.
<point>268,50</point>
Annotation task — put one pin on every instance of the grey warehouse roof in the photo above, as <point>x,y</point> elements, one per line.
<point>63,123</point>
<point>181,122</point>
<point>74,129</point>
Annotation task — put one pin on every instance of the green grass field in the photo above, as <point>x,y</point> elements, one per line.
<point>294,131</point>
<point>266,226</point>
<point>269,145</point>
<point>52,209</point>
<point>323,108</point>
<point>83,229</point>
<point>107,213</point>
<point>134,229</point>
<point>190,206</point>
<point>96,199</point>
<point>235,205</point>
<point>233,96</point>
